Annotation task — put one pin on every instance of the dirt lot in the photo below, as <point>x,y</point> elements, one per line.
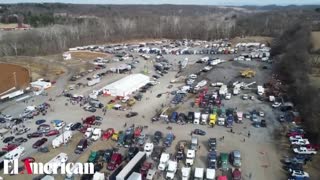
<point>8,73</point>
<point>261,153</point>
<point>87,55</point>
<point>48,67</point>
<point>261,39</point>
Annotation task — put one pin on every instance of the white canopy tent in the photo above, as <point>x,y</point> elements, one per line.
<point>126,85</point>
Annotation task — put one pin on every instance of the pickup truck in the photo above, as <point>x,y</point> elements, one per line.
<point>304,150</point>
<point>300,142</point>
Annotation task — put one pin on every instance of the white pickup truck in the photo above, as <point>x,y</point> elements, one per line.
<point>304,150</point>
<point>300,142</point>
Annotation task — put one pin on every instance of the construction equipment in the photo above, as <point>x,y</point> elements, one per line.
<point>247,73</point>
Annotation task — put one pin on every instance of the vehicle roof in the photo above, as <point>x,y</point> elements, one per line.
<point>236,153</point>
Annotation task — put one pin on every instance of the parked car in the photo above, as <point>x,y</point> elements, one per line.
<point>107,155</point>
<point>20,140</point>
<point>93,157</point>
<point>34,135</point>
<point>8,139</point>
<point>53,132</point>
<point>107,134</point>
<point>40,121</point>
<point>212,159</point>
<point>156,153</point>
<point>263,123</point>
<point>116,160</point>
<point>82,145</point>
<point>68,126</point>
<point>299,174</point>
<point>39,143</point>
<point>276,104</point>
<point>212,143</point>
<point>199,132</point>
<point>223,161</point>
<point>141,139</point>
<point>132,151</point>
<point>22,131</point>
<point>145,168</point>
<point>157,137</point>
<point>235,158</point>
<point>131,114</point>
<point>76,126</point>
<point>9,147</point>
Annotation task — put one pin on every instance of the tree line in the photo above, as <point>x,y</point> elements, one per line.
<point>98,24</point>
<point>291,51</point>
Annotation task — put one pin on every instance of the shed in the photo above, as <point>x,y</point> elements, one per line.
<point>126,85</point>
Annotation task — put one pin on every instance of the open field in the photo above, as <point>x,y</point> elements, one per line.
<point>13,76</point>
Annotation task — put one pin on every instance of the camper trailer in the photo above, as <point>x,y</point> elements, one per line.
<point>62,139</point>
<point>15,153</point>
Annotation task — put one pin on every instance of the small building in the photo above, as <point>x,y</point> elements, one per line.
<point>126,85</point>
<point>40,84</point>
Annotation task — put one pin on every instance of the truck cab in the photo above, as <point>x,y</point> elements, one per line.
<point>198,174</point>
<point>163,161</point>
<point>204,118</point>
<point>172,169</point>
<point>196,119</point>
<point>210,174</point>
<point>191,154</point>
<point>185,172</point>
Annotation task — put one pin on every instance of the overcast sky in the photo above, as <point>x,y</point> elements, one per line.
<point>199,2</point>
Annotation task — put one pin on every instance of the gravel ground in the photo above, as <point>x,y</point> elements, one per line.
<point>260,153</point>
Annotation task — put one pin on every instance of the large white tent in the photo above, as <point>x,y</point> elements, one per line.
<point>126,85</point>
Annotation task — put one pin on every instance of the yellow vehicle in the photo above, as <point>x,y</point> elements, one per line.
<point>131,102</point>
<point>248,73</point>
<point>115,136</point>
<point>212,119</point>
